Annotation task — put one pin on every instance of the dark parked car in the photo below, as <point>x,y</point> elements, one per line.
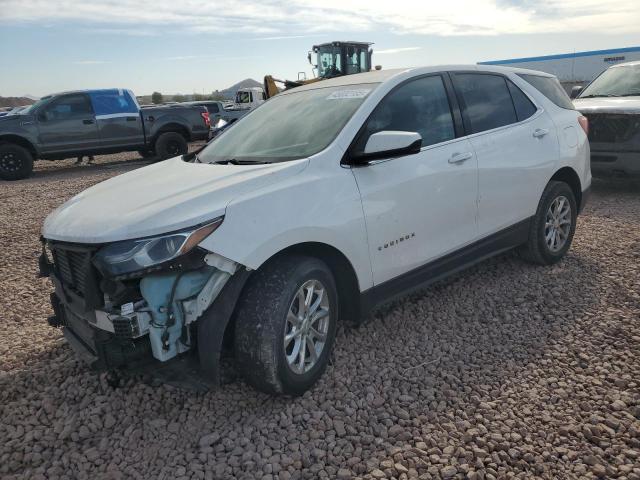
<point>218,111</point>
<point>91,122</point>
<point>611,102</point>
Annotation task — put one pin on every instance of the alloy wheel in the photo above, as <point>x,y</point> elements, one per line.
<point>307,326</point>
<point>557,225</point>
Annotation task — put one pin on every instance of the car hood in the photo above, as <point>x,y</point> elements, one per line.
<point>15,118</point>
<point>157,199</point>
<point>608,105</point>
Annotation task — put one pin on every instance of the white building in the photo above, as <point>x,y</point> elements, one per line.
<point>577,68</point>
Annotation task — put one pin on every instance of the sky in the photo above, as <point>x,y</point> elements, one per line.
<point>198,46</point>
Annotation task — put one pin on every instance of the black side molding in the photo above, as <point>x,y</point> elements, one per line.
<point>452,263</point>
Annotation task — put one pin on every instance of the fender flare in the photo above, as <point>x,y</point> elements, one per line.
<point>213,323</point>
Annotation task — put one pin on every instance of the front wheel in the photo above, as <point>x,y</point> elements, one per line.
<point>16,162</point>
<point>286,325</point>
<point>553,226</point>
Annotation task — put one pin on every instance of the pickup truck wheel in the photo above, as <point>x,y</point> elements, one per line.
<point>16,162</point>
<point>170,144</point>
<point>553,226</point>
<point>286,325</point>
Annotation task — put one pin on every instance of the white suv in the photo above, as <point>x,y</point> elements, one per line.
<point>314,208</point>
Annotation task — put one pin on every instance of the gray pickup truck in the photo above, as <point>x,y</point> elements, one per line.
<point>94,122</point>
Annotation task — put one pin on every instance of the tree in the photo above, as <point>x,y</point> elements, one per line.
<point>216,96</point>
<point>179,98</point>
<point>198,97</point>
<point>156,98</point>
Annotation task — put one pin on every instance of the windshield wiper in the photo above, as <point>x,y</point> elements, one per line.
<point>233,161</point>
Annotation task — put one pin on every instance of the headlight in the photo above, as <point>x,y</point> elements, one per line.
<point>121,258</point>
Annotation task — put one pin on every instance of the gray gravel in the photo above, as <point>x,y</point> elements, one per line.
<point>504,371</point>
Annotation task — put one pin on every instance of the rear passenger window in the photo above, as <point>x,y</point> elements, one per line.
<point>112,102</point>
<point>419,106</point>
<point>524,107</point>
<point>550,87</point>
<point>213,108</point>
<point>487,101</point>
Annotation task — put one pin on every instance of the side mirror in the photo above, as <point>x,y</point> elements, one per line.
<point>575,91</point>
<point>41,117</point>
<point>388,144</point>
<point>310,61</point>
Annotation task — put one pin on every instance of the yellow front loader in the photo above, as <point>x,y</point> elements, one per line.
<point>333,59</point>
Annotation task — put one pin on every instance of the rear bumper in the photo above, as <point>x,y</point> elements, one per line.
<point>610,163</point>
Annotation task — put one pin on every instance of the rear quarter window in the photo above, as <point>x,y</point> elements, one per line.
<point>524,107</point>
<point>112,102</point>
<point>550,87</point>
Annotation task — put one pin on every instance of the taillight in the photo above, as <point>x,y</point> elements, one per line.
<point>207,120</point>
<point>584,123</point>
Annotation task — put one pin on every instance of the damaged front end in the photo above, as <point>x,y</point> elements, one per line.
<point>133,304</point>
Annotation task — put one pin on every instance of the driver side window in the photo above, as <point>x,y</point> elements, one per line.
<point>68,108</point>
<point>420,106</point>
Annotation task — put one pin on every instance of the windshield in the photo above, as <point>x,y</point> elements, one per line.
<point>243,97</point>
<point>615,82</point>
<point>32,108</point>
<point>329,61</point>
<point>289,126</point>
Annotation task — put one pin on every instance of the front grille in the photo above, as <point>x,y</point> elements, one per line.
<point>612,128</point>
<point>74,266</point>
<point>603,158</point>
<point>74,270</point>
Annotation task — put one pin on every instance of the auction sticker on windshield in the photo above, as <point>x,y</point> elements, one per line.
<point>342,94</point>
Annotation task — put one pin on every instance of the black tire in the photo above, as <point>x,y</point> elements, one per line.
<point>537,250</point>
<point>146,153</point>
<point>262,318</point>
<point>169,145</point>
<point>16,162</point>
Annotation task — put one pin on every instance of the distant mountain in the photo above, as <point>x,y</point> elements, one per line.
<point>230,92</point>
<point>15,101</point>
<point>32,97</point>
<point>227,93</point>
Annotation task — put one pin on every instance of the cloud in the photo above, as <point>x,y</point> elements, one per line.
<point>397,50</point>
<point>285,37</point>
<point>276,19</point>
<point>181,58</point>
<point>90,62</point>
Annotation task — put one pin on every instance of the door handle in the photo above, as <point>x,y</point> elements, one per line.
<point>540,132</point>
<point>132,119</point>
<point>458,158</point>
<point>87,122</point>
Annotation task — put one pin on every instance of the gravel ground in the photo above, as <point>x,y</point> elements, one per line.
<point>506,370</point>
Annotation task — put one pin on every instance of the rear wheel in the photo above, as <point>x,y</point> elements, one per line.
<point>170,144</point>
<point>16,162</point>
<point>553,226</point>
<point>286,325</point>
